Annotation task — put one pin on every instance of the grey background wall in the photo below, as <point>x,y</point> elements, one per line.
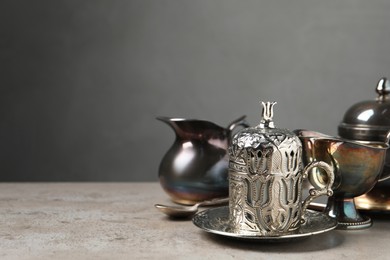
<point>81,82</point>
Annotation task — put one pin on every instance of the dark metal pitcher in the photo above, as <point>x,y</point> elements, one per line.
<point>195,168</point>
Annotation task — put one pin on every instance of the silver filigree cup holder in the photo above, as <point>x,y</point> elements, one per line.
<point>265,179</point>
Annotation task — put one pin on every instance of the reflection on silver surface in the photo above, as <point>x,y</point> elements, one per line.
<point>357,167</point>
<point>216,221</point>
<point>195,168</point>
<point>265,179</point>
<point>369,120</point>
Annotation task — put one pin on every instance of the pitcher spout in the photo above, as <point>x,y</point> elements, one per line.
<point>168,120</point>
<point>172,122</point>
<point>194,129</point>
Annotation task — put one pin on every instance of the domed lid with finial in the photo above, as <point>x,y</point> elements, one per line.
<point>255,150</point>
<point>368,120</point>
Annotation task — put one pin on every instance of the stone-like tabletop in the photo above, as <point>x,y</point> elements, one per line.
<point>119,221</point>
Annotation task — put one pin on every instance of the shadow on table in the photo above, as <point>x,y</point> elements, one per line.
<point>319,242</point>
<point>376,215</point>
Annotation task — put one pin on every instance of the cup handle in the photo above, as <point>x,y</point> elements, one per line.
<point>385,175</point>
<point>317,191</point>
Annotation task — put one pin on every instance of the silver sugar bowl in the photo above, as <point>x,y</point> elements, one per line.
<point>369,121</point>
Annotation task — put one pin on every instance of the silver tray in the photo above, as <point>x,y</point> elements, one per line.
<point>216,221</point>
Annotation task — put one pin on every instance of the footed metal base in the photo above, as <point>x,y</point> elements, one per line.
<point>366,223</point>
<point>344,211</point>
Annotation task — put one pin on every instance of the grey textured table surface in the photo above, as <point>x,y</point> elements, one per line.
<point>118,221</point>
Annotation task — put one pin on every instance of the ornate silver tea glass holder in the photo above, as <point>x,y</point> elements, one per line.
<point>265,180</point>
<point>265,188</point>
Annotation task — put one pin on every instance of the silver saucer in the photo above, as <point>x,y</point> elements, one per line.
<point>216,221</point>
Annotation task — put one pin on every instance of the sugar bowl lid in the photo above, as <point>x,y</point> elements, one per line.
<point>368,120</point>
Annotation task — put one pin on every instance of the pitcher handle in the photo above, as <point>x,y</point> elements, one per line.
<point>238,122</point>
<point>386,174</point>
<point>317,191</point>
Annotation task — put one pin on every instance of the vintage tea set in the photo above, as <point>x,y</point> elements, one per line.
<point>262,171</point>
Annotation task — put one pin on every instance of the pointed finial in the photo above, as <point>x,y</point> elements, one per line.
<point>267,115</point>
<point>383,89</point>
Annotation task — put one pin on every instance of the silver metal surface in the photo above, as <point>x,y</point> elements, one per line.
<point>265,179</point>
<point>195,168</point>
<point>188,211</point>
<point>216,221</point>
<point>370,121</point>
<point>357,167</point>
